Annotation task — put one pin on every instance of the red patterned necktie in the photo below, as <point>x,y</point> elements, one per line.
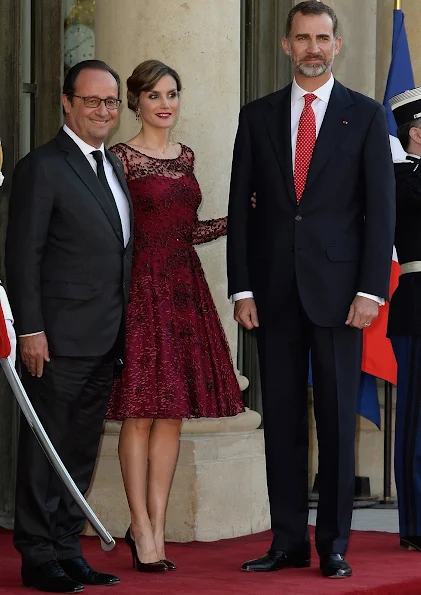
<point>306,139</point>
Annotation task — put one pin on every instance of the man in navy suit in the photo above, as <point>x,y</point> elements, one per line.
<point>309,268</point>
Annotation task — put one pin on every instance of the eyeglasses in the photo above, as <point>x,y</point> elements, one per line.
<point>110,102</point>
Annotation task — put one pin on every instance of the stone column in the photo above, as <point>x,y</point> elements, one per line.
<point>221,463</point>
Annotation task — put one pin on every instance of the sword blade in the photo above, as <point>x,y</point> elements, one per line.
<point>107,541</point>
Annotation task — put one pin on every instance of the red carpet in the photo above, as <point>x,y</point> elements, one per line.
<point>213,569</point>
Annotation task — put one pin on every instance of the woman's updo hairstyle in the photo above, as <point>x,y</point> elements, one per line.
<point>145,77</point>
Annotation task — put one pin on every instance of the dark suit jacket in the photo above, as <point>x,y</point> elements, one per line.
<point>339,240</point>
<point>67,269</point>
<point>405,306</point>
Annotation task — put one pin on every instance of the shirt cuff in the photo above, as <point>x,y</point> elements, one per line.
<point>375,298</point>
<point>249,294</point>
<point>32,334</point>
<point>242,295</point>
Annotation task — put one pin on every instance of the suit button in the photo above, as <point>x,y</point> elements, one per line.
<point>298,218</point>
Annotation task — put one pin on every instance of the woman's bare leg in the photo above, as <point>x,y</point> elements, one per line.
<point>133,452</point>
<point>164,443</point>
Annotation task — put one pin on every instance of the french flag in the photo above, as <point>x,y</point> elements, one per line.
<point>378,358</point>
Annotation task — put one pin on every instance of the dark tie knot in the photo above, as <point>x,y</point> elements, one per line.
<point>309,98</point>
<point>98,156</point>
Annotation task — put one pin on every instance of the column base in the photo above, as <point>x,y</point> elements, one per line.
<point>219,488</point>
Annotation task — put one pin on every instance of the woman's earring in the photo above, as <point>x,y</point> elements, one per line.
<point>138,115</point>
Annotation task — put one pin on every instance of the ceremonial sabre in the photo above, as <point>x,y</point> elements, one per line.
<point>107,541</point>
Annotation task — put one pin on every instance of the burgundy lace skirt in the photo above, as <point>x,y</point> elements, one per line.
<point>178,363</point>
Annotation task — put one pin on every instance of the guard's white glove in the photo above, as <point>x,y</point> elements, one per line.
<point>1,178</point>
<point>12,338</point>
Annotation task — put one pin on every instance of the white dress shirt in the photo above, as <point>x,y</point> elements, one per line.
<point>319,106</point>
<point>118,193</point>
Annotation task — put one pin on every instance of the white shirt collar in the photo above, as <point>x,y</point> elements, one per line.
<point>413,155</point>
<point>84,147</point>
<point>322,92</point>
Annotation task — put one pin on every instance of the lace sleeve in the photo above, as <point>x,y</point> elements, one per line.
<point>206,231</point>
<point>212,229</point>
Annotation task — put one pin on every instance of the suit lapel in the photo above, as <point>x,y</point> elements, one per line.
<point>278,122</point>
<point>335,125</point>
<point>83,169</point>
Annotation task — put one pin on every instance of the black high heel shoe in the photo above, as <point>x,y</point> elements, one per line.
<point>158,566</point>
<point>170,565</point>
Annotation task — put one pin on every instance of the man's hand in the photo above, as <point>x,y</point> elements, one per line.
<point>253,200</point>
<point>245,313</point>
<point>34,352</point>
<point>362,312</point>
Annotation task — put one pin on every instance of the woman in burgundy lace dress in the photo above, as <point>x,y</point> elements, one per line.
<point>178,363</point>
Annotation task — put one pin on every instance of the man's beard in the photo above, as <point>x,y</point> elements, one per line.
<point>311,70</point>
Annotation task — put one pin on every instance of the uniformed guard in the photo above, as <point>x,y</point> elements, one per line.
<point>4,302</point>
<point>404,327</point>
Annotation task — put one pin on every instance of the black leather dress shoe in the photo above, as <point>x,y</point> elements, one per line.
<point>276,560</point>
<point>79,570</point>
<point>50,577</point>
<point>335,566</point>
<point>412,542</point>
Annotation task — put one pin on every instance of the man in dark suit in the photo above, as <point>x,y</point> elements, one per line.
<point>309,268</point>
<point>68,259</point>
<point>404,325</point>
